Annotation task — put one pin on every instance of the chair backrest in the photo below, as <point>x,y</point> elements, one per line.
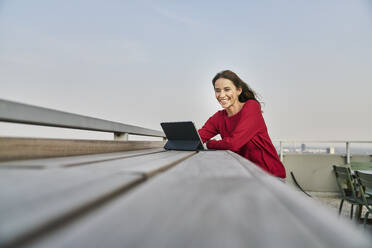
<point>345,181</point>
<point>365,186</point>
<point>361,165</point>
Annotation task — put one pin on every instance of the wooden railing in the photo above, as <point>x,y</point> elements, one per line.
<point>27,148</point>
<point>28,114</point>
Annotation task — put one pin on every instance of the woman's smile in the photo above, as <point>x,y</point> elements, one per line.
<point>224,101</point>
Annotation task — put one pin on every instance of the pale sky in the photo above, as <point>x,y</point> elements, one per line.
<point>145,62</point>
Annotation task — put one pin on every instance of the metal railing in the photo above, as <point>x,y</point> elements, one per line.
<point>28,114</point>
<point>346,142</point>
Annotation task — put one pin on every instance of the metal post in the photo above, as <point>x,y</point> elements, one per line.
<point>347,152</point>
<point>121,136</point>
<point>281,151</point>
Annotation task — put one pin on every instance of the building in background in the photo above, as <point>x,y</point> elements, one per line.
<point>331,150</point>
<point>303,147</point>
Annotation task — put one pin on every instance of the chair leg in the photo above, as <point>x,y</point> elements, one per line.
<point>365,219</point>
<point>339,210</point>
<point>351,211</point>
<point>358,213</point>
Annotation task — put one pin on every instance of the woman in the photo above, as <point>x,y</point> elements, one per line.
<point>240,124</point>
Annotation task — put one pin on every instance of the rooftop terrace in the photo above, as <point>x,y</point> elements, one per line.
<point>79,193</point>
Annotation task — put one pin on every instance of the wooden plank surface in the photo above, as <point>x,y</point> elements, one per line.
<point>213,199</point>
<point>69,161</point>
<point>35,201</point>
<point>31,148</point>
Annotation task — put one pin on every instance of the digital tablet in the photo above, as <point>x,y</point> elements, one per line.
<point>182,136</point>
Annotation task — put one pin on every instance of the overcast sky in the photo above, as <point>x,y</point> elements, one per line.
<point>144,62</point>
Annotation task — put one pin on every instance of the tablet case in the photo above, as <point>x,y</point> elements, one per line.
<point>182,136</point>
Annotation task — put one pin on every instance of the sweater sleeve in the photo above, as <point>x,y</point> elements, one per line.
<point>209,130</point>
<point>249,125</point>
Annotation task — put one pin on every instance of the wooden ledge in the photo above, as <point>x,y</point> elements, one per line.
<point>30,148</point>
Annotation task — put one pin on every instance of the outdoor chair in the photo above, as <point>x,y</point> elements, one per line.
<point>347,187</point>
<point>365,188</point>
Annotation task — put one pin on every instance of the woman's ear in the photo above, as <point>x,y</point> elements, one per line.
<point>240,91</point>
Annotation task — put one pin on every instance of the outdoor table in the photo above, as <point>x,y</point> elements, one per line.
<point>158,198</point>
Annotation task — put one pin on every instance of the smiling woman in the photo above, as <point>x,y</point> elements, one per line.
<point>240,124</point>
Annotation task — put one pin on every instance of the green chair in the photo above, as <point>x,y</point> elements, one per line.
<point>347,186</point>
<point>361,166</point>
<point>365,188</point>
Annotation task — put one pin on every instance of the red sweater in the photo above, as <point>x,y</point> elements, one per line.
<point>246,134</point>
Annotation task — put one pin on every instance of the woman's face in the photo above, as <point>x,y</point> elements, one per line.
<point>226,92</point>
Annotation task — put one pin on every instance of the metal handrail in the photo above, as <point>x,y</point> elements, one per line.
<point>34,115</point>
<point>347,142</point>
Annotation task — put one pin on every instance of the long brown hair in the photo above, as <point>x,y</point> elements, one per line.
<point>247,92</point>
